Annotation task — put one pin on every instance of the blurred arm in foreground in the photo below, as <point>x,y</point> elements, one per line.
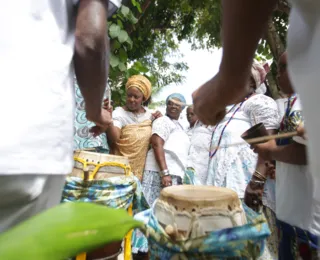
<point>90,59</point>
<point>243,25</point>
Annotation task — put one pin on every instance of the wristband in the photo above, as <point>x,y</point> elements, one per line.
<point>164,173</point>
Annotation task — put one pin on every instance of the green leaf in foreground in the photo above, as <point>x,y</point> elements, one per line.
<point>65,231</point>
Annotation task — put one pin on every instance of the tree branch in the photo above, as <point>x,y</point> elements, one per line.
<point>144,8</point>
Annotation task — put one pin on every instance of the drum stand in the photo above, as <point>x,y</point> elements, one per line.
<point>87,176</point>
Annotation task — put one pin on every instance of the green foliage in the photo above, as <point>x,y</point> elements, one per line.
<point>150,31</point>
<point>139,48</point>
<point>157,104</point>
<point>65,231</point>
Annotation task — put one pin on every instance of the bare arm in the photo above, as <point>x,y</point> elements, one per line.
<point>157,145</point>
<point>90,58</point>
<point>243,24</point>
<point>113,134</point>
<point>293,154</point>
<point>261,164</point>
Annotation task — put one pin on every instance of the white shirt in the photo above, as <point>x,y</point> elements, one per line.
<point>36,104</point>
<point>282,105</point>
<point>176,146</point>
<point>37,99</point>
<point>121,117</point>
<point>304,68</point>
<point>293,183</point>
<point>232,167</point>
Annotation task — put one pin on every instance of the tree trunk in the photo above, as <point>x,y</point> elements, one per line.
<point>274,41</point>
<point>277,48</point>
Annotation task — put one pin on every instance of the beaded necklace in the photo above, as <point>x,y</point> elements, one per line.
<point>285,120</point>
<point>291,101</point>
<point>213,153</point>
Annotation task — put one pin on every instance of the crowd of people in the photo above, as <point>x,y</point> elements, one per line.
<point>278,178</point>
<point>209,152</point>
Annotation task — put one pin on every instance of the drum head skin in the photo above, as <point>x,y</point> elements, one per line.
<point>191,198</point>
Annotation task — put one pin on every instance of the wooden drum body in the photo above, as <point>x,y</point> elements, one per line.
<point>90,165</point>
<point>194,211</point>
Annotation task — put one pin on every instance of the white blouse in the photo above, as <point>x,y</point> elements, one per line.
<point>121,117</point>
<point>198,157</point>
<point>176,146</point>
<point>232,167</point>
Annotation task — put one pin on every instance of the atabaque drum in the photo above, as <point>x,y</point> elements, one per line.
<point>99,166</point>
<point>194,211</point>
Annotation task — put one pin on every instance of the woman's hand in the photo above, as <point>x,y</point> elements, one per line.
<point>265,149</point>
<point>156,115</point>
<point>166,181</point>
<point>271,170</point>
<point>253,195</point>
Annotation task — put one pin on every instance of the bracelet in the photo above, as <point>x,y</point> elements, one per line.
<point>258,182</point>
<point>259,175</point>
<point>164,173</point>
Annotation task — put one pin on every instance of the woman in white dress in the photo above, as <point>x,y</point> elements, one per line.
<point>237,167</point>
<point>192,119</point>
<point>198,157</point>
<point>166,161</point>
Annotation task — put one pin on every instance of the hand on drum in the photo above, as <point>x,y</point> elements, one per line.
<point>166,181</point>
<point>253,195</point>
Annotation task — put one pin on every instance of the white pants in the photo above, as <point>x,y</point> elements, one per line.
<point>23,196</point>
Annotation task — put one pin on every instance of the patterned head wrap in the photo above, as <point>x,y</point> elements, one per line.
<point>177,96</point>
<point>258,73</point>
<point>142,83</point>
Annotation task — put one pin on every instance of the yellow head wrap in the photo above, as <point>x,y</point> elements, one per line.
<point>142,83</point>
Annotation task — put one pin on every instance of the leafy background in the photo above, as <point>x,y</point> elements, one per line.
<point>145,37</point>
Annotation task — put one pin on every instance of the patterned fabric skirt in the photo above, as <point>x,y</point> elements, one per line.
<point>296,243</point>
<point>151,185</point>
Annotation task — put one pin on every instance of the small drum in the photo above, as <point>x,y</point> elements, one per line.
<point>194,211</point>
<point>86,164</point>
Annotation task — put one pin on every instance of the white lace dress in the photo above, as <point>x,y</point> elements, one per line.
<point>198,157</point>
<point>232,167</point>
